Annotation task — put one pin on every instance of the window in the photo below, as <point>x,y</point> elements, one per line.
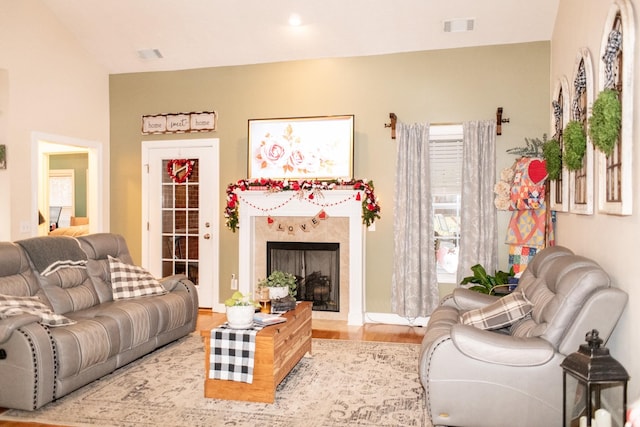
<point>61,194</point>
<point>616,72</point>
<point>581,180</point>
<point>613,162</point>
<point>559,126</point>
<point>445,150</point>
<point>559,189</point>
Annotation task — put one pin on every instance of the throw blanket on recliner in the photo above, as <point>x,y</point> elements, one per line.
<point>50,254</point>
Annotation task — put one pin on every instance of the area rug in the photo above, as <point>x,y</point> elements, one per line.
<point>342,383</point>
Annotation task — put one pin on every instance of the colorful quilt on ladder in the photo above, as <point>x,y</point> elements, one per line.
<point>527,227</point>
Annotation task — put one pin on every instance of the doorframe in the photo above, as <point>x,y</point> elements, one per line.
<point>42,145</point>
<point>146,147</point>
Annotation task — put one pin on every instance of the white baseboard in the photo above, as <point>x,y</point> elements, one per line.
<point>394,319</point>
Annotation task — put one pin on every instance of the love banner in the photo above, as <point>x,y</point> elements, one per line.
<point>293,227</point>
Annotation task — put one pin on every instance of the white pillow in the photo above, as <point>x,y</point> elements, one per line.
<point>503,312</point>
<point>11,305</point>
<point>131,281</point>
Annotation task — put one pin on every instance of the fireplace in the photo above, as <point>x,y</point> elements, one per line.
<point>316,267</point>
<point>261,211</point>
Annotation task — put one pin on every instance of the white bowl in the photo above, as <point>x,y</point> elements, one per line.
<point>278,292</point>
<point>240,316</point>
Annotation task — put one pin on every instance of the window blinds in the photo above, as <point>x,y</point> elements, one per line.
<point>445,152</point>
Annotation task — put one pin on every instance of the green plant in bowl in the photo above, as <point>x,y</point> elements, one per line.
<point>280,279</point>
<point>239,299</point>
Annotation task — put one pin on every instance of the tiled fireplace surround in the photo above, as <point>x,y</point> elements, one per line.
<point>343,225</point>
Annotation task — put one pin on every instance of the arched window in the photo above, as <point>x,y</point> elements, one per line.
<point>559,189</point>
<point>616,72</point>
<point>581,180</point>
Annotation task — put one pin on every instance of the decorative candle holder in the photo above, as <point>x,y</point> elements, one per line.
<point>594,386</point>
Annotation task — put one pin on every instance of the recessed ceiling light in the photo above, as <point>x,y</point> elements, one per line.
<point>149,54</point>
<point>459,25</point>
<point>295,20</point>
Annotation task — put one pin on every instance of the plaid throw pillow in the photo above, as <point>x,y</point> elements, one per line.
<point>131,281</point>
<point>11,305</point>
<point>503,312</point>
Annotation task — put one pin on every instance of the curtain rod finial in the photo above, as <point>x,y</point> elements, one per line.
<point>500,121</point>
<point>392,125</point>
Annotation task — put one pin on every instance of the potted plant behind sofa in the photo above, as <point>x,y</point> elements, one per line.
<point>486,284</point>
<point>280,284</point>
<point>240,310</point>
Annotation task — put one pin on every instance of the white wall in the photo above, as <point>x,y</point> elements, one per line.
<point>48,84</point>
<point>610,240</point>
<point>4,176</point>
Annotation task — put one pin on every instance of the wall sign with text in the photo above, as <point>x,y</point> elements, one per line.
<point>204,121</point>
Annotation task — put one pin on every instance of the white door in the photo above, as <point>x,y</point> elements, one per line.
<point>180,215</point>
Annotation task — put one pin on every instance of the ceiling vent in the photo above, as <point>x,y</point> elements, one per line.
<point>459,25</point>
<point>149,54</point>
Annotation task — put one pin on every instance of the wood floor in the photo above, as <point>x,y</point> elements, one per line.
<point>331,329</point>
<point>327,329</point>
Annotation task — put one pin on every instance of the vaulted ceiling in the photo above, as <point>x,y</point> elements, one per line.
<point>211,33</point>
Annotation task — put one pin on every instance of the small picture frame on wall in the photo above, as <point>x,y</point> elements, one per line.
<point>3,156</point>
<point>301,148</point>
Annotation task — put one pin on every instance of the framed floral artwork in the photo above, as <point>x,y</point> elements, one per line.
<point>301,148</point>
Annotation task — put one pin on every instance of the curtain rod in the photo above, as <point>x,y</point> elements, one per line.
<point>499,122</point>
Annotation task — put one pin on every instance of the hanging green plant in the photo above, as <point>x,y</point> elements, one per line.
<point>552,153</point>
<point>605,121</point>
<point>575,145</point>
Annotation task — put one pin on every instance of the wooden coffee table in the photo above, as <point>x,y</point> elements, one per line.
<point>278,349</point>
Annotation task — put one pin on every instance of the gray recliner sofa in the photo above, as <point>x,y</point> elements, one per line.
<point>512,376</point>
<point>41,363</point>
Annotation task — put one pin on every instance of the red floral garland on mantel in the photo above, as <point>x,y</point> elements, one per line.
<point>309,189</point>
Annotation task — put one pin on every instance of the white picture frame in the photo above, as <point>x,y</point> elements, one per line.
<point>301,148</point>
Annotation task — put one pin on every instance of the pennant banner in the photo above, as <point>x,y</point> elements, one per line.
<point>292,227</point>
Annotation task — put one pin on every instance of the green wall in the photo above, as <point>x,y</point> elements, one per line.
<point>437,86</point>
<point>79,162</point>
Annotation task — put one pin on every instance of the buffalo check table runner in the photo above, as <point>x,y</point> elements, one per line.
<point>232,354</point>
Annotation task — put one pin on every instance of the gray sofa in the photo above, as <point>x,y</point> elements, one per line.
<point>40,363</point>
<point>511,375</point>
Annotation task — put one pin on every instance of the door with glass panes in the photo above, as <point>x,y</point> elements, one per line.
<point>181,221</point>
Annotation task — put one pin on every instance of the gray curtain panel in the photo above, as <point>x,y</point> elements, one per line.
<point>414,280</point>
<point>478,220</point>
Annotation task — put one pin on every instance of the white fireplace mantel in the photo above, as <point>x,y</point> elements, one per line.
<point>336,203</point>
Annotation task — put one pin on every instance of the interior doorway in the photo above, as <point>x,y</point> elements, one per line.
<point>43,147</point>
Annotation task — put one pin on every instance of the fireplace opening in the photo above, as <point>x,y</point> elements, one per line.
<point>316,267</point>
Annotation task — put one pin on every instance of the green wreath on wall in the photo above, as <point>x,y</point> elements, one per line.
<point>552,154</point>
<point>605,121</point>
<point>575,145</point>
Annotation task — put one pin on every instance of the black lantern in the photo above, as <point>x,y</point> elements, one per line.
<point>594,387</point>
